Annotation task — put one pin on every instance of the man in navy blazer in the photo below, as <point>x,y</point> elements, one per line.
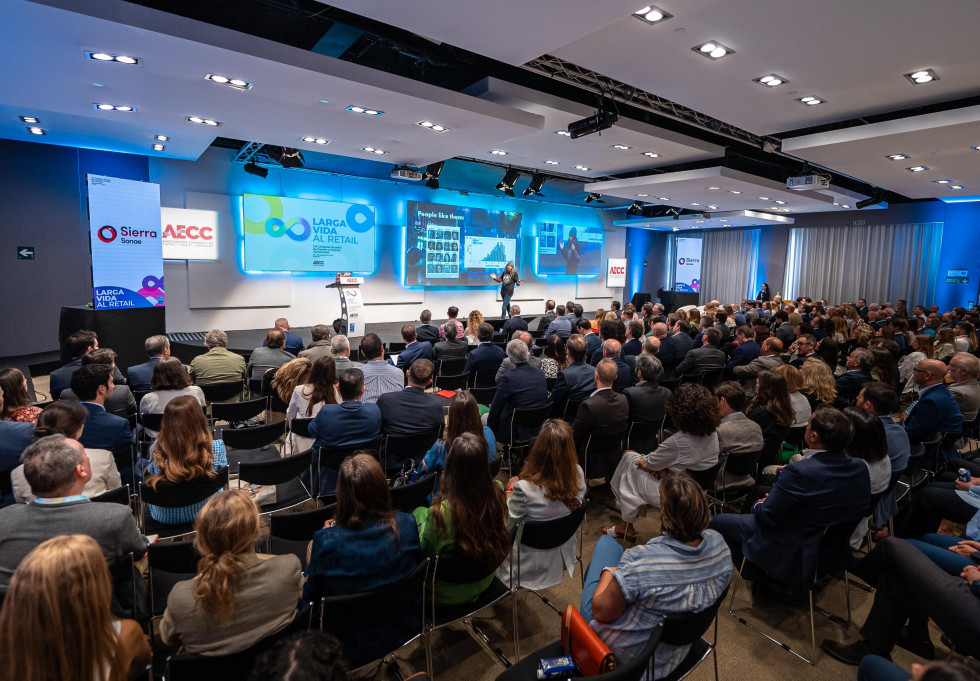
<point>139,376</point>
<point>425,332</point>
<point>414,348</point>
<point>592,340</point>
<point>849,384</point>
<point>93,384</point>
<point>625,374</point>
<point>634,343</point>
<point>936,410</point>
<point>293,342</point>
<point>77,345</point>
<point>486,356</point>
<point>746,350</point>
<point>674,348</point>
<point>515,323</point>
<point>782,534</point>
<point>410,412</point>
<point>577,380</point>
<point>523,387</point>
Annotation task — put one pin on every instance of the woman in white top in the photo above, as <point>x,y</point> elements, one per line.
<point>945,344</point>
<point>169,380</point>
<point>67,417</point>
<point>966,337</point>
<point>472,326</point>
<point>870,445</point>
<point>551,485</point>
<point>799,402</point>
<point>308,399</point>
<point>922,346</point>
<point>694,412</point>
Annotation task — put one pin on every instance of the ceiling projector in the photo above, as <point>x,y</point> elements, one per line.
<point>602,120</point>
<point>406,173</point>
<point>804,182</point>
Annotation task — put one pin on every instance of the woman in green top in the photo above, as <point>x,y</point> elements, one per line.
<point>468,517</point>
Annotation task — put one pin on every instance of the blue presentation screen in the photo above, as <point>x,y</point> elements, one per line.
<point>569,249</point>
<point>304,235</point>
<point>459,245</point>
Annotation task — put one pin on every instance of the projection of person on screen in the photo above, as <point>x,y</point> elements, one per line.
<point>571,251</point>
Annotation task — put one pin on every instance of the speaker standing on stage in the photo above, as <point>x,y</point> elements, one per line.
<point>508,280</point>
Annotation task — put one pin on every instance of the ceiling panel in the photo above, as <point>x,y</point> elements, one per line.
<point>725,220</point>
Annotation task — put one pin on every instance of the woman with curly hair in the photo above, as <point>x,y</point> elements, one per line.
<point>694,412</point>
<point>819,386</point>
<point>16,404</point>
<point>289,376</point>
<point>555,358</point>
<point>472,326</point>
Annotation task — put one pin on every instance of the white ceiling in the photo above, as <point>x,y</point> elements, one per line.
<point>724,220</point>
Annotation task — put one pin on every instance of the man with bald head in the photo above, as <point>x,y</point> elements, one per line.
<point>935,411</point>
<point>602,417</point>
<point>612,349</point>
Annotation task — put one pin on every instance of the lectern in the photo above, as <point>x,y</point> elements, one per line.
<point>351,302</point>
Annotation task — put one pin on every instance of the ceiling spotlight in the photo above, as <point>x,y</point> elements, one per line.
<point>635,209</point>
<point>923,76</point>
<point>597,122</point>
<point>537,181</point>
<point>161,138</point>
<point>780,202</point>
<point>844,205</point>
<point>811,100</point>
<point>652,15</point>
<point>594,197</point>
<point>651,154</point>
<point>236,83</point>
<point>431,174</point>
<point>663,198</point>
<point>734,191</point>
<point>563,133</point>
<point>203,121</point>
<point>33,120</point>
<point>35,130</point>
<point>695,204</point>
<point>917,169</point>
<point>624,147</point>
<point>976,148</point>
<point>372,150</point>
<point>364,110</point>
<point>955,186</point>
<point>498,152</point>
<point>309,139</point>
<point>713,50</point>
<point>112,107</point>
<point>713,207</point>
<point>106,56</point>
<point>943,181</point>
<point>581,167</point>
<point>511,177</point>
<point>552,163</point>
<point>435,127</point>
<point>897,157</point>
<point>642,196</point>
<point>253,169</point>
<point>772,80</point>
<point>158,147</point>
<point>287,157</point>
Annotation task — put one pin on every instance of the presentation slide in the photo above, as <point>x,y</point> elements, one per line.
<point>305,235</point>
<point>687,272</point>
<point>459,245</point>
<point>567,249</point>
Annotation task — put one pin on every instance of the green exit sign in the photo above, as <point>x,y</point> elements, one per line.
<point>858,223</point>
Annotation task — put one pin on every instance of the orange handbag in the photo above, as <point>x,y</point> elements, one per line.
<point>591,655</point>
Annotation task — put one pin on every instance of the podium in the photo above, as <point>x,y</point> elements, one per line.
<point>351,303</point>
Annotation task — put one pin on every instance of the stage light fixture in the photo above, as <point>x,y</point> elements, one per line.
<point>771,80</point>
<point>635,209</point>
<point>431,175</point>
<point>594,197</point>
<point>599,121</point>
<point>811,100</point>
<point>713,50</point>
<point>875,198</point>
<point>287,157</point>
<point>537,182</point>
<point>34,130</point>
<point>158,147</point>
<point>511,177</point>
<point>253,169</point>
<point>236,83</point>
<point>118,58</point>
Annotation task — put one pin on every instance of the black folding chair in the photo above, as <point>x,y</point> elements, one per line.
<point>550,535</point>
<point>177,495</point>
<point>452,382</point>
<point>738,465</point>
<point>530,421</point>
<point>252,444</point>
<point>396,347</point>
<point>451,367</point>
<point>292,532</point>
<point>285,474</point>
<point>688,628</point>
<point>330,458</point>
<point>221,392</point>
<point>119,495</point>
<point>167,564</point>
<point>642,436</point>
<point>237,412</point>
<point>407,498</point>
<point>486,378</point>
<point>570,410</point>
<point>484,396</point>
<point>398,449</point>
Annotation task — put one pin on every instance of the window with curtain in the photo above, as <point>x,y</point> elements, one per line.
<point>729,260</point>
<point>878,263</point>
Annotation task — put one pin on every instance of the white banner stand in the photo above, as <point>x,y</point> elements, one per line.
<point>351,303</point>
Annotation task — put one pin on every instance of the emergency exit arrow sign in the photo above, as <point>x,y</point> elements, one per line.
<point>25,252</point>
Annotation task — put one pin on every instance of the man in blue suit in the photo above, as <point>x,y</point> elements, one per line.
<point>634,343</point>
<point>675,347</point>
<point>515,323</point>
<point>486,356</point>
<point>561,326</point>
<point>414,348</point>
<point>293,342</point>
<point>577,380</point>
<point>93,384</point>
<point>523,387</point>
<point>592,340</point>
<point>139,376</point>
<point>746,350</point>
<point>410,412</point>
<point>77,345</point>
<point>849,384</point>
<point>936,410</point>
<point>782,534</point>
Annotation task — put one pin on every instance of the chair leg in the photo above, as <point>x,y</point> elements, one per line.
<point>517,638</point>
<point>813,634</point>
<point>428,652</point>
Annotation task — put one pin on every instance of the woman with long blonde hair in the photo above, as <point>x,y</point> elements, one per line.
<point>293,373</point>
<point>472,326</point>
<point>819,386</point>
<point>56,623</point>
<point>237,599</point>
<point>184,450</point>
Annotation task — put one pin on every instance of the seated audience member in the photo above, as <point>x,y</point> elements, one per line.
<point>883,366</point>
<point>577,380</point>
<point>291,342</point>
<point>452,313</point>
<point>771,408</point>
<point>414,349</point>
<point>965,337</point>
<point>486,356</point>
<point>674,347</point>
<point>798,401</point>
<point>782,534</point>
<point>964,369</point>
<point>57,622</point>
<point>352,422</point>
<point>16,404</point>
<point>451,347</point>
<point>94,385</point>
<point>308,398</point>
<point>365,546</point>
<point>746,350</point>
<point>523,387</point>
<point>560,325</point>
<point>340,352</point>
<point>602,418</point>
<point>170,380</point>
<point>515,323</point>
<point>819,386</point>
<point>805,347</point>
<point>473,323</point>
<point>468,518</point>
<point>625,372</point>
<point>935,411</point>
<point>634,342</point>
<point>945,345</point>
<point>694,412</point>
<point>271,355</point>
<point>320,347</point>
<point>380,377</point>
<point>411,411</point>
<point>57,470</point>
<point>549,315</point>
<point>627,593</point>
<point>218,364</point>
<point>555,357</point>
<point>585,329</point>
<point>507,365</point>
<point>464,417</point>
<point>647,399</point>
<point>67,418</point>
<point>709,357</point>
<point>770,357</point>
<point>140,376</point>
<point>77,345</point>
<point>425,332</point>
<point>280,384</point>
<point>237,598</point>
<point>121,402</point>
<point>881,401</point>
<point>910,587</point>
<point>737,435</point>
<point>14,438</point>
<point>306,656</point>
<point>871,446</point>
<point>184,450</point>
<point>922,349</point>
<point>551,485</point>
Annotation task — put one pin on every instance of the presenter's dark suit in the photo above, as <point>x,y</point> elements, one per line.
<point>602,417</point>
<point>417,350</point>
<point>673,350</point>
<point>523,387</point>
<point>632,347</point>
<point>61,378</point>
<point>484,357</point>
<point>848,386</point>
<point>410,412</point>
<point>647,401</point>
<point>108,431</point>
<point>446,350</point>
<point>513,324</point>
<point>744,353</point>
<point>574,382</point>
<point>427,333</point>
<point>705,358</point>
<point>782,535</point>
<point>139,376</point>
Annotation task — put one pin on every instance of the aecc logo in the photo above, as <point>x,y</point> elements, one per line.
<point>188,232</point>
<point>617,269</point>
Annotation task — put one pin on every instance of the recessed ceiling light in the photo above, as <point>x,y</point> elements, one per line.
<point>364,110</point>
<point>943,181</point>
<point>811,100</point>
<point>161,138</point>
<point>695,204</point>
<point>435,127</point>
<point>36,131</point>
<point>780,202</point>
<point>663,198</point>
<point>237,83</point>
<point>713,207</point>
<point>107,56</point>
<point>713,188</point>
<point>623,147</point>
<point>976,148</point>
<point>498,152</point>
<point>922,76</point>
<point>917,169</point>
<point>158,147</point>
<point>309,139</point>
<point>844,205</point>
<point>552,163</point>
<point>652,15</point>
<point>563,133</point>
<point>955,186</point>
<point>763,198</point>
<point>30,119</point>
<point>640,196</point>
<point>713,50</point>
<point>113,107</point>
<point>771,80</point>
<point>324,101</point>
<point>723,220</point>
<point>580,167</point>
<point>203,121</point>
<point>651,154</point>
<point>372,150</point>
<point>734,191</point>
<point>897,157</point>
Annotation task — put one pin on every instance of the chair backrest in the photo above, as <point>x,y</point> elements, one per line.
<point>641,666</point>
<point>642,436</point>
<point>300,525</point>
<point>684,628</point>
<point>332,457</point>
<point>239,411</point>
<point>219,392</point>
<point>169,563</point>
<point>394,347</point>
<point>455,568</point>
<point>374,608</point>
<point>255,437</point>
<point>451,366</point>
<point>795,436</point>
<point>742,464</point>
<point>186,493</point>
<point>485,378</point>
<point>710,379</point>
<point>571,410</point>
<point>670,383</point>
<point>277,471</point>
<point>532,419</point>
<point>398,449</point>
<point>692,377</point>
<point>550,534</point>
<point>301,427</point>
<point>484,396</point>
<point>550,383</point>
<point>706,477</point>
<point>452,381</point>
<point>120,495</point>
<point>407,498</point>
<point>151,421</point>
